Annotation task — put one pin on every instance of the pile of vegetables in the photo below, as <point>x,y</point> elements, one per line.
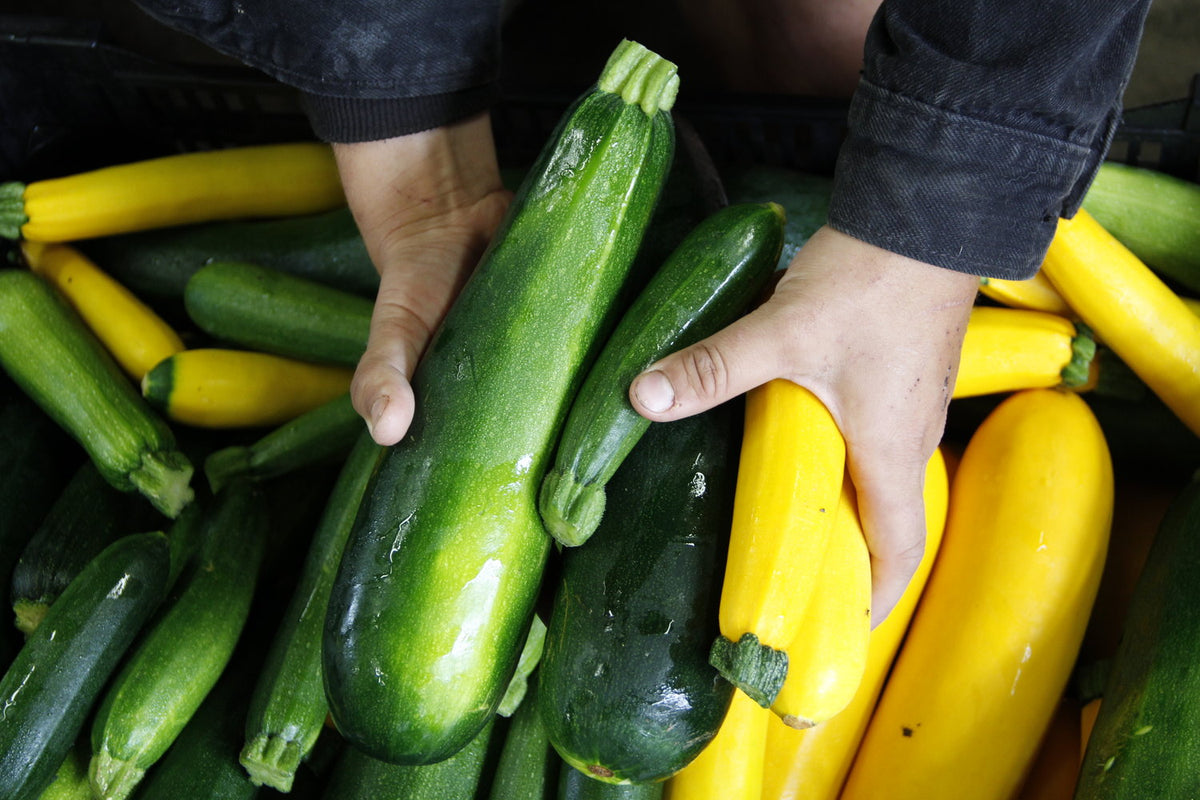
<point>222,587</point>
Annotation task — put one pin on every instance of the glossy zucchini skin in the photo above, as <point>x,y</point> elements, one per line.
<point>574,785</point>
<point>46,348</point>
<point>186,647</point>
<point>626,691</point>
<point>357,776</point>
<point>527,767</point>
<point>324,247</point>
<point>707,282</point>
<point>51,686</point>
<point>1146,738</point>
<point>287,708</point>
<point>438,581</point>
<point>88,515</point>
<point>270,310</point>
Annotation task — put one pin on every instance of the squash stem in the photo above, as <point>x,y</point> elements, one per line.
<point>1078,372</point>
<point>29,614</point>
<point>750,665</point>
<point>12,209</point>
<point>271,760</point>
<point>641,77</point>
<point>571,510</point>
<point>164,478</point>
<point>113,778</point>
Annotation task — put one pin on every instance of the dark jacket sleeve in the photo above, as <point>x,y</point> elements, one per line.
<point>368,69</point>
<point>977,124</point>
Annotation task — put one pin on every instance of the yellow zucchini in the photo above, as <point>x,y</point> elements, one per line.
<point>812,764</point>
<point>1036,294</point>
<point>273,180</point>
<point>730,766</point>
<point>1131,310</point>
<point>1008,349</point>
<point>131,331</point>
<point>998,629</point>
<point>219,388</point>
<point>789,480</point>
<point>828,656</point>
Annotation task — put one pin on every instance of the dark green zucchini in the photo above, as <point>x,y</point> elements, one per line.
<point>52,685</point>
<point>357,776</point>
<point>706,283</point>
<point>438,581</point>
<point>186,647</point>
<point>574,785</point>
<point>288,709</point>
<point>527,767</point>
<point>625,688</point>
<point>51,354</point>
<point>322,247</point>
<point>1146,739</point>
<point>86,517</point>
<point>265,309</point>
<point>325,433</point>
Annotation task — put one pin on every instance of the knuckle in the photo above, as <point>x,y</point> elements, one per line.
<point>705,370</point>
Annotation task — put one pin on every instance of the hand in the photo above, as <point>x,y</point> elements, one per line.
<point>427,205</point>
<point>876,336</point>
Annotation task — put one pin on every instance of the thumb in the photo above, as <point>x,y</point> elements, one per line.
<point>703,375</point>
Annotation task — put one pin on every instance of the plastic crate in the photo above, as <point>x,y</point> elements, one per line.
<point>70,100</point>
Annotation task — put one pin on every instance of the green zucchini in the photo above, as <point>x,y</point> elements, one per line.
<point>51,686</point>
<point>324,247</point>
<point>327,432</point>
<point>265,309</point>
<point>706,283</point>
<point>71,781</point>
<point>1146,739</point>
<point>185,649</point>
<point>288,708</point>
<point>527,767</point>
<point>803,195</point>
<point>439,578</point>
<point>575,785</point>
<point>88,516</point>
<point>1153,214</point>
<point>358,776</point>
<point>625,687</point>
<point>202,763</point>
<point>50,353</point>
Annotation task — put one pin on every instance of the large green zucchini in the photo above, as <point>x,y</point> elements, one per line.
<point>437,584</point>
<point>626,690</point>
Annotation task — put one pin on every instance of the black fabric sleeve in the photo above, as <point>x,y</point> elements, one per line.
<point>368,69</point>
<point>977,124</point>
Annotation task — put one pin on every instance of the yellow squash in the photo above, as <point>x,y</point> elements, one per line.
<point>1131,310</point>
<point>241,182</point>
<point>218,388</point>
<point>1036,294</point>
<point>998,628</point>
<point>137,337</point>
<point>730,765</point>
<point>828,656</point>
<point>789,481</point>
<point>1008,349</point>
<point>812,764</point>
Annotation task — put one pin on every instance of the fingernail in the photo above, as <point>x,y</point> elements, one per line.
<point>377,409</point>
<point>654,391</point>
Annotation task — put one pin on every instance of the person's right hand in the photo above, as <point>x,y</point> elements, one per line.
<point>427,205</point>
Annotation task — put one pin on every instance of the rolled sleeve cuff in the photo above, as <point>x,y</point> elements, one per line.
<point>948,189</point>
<point>347,119</point>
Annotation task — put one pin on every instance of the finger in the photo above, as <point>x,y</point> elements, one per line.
<point>381,390</point>
<point>892,510</point>
<point>732,361</point>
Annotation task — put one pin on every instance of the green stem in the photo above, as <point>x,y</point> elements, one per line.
<point>1083,351</point>
<point>12,209</point>
<point>641,77</point>
<point>750,665</point>
<point>271,760</point>
<point>571,510</point>
<point>164,478</point>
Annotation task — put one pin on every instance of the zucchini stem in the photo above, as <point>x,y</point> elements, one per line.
<point>271,761</point>
<point>113,778</point>
<point>641,77</point>
<point>1078,372</point>
<point>571,510</point>
<point>164,478</point>
<point>750,665</point>
<point>12,209</point>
